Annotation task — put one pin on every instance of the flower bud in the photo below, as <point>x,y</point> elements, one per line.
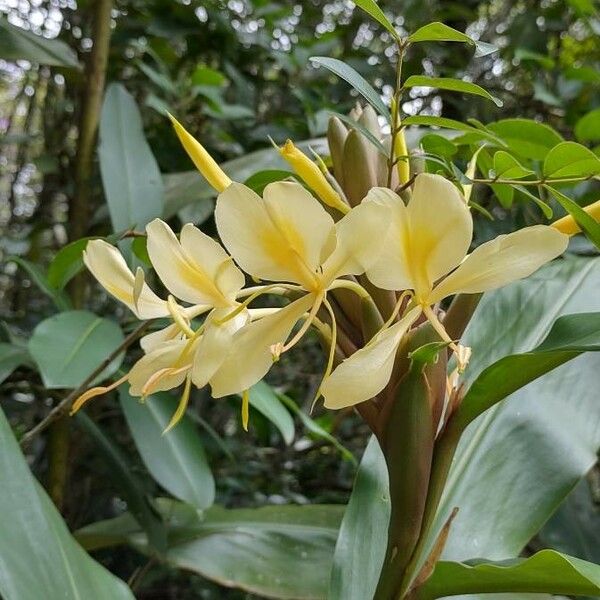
<point>360,167</point>
<point>204,162</point>
<point>336,136</point>
<point>568,225</point>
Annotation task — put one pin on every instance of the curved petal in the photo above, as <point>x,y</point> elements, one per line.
<point>152,341</point>
<point>165,356</point>
<point>108,266</point>
<point>215,344</point>
<point>502,260</point>
<point>441,229</point>
<point>355,249</point>
<point>280,238</point>
<point>250,357</point>
<point>391,269</point>
<point>364,374</point>
<point>190,269</point>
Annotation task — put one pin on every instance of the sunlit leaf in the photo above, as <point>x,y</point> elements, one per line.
<point>507,166</point>
<point>570,159</point>
<point>448,83</point>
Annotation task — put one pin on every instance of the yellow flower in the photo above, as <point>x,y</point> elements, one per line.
<point>426,251</point>
<point>568,225</point>
<point>287,236</point>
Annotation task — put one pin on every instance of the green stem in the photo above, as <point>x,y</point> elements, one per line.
<point>395,108</point>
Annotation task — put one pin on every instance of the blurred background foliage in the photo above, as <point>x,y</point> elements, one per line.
<point>234,73</point>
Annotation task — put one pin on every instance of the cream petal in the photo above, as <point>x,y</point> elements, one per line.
<point>280,238</point>
<point>163,357</point>
<point>154,340</point>
<point>250,357</point>
<point>441,229</point>
<point>355,232</point>
<point>503,260</point>
<point>364,374</point>
<point>215,344</point>
<point>191,275</point>
<point>108,266</point>
<point>391,269</point>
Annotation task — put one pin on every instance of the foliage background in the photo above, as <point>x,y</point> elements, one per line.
<point>235,73</point>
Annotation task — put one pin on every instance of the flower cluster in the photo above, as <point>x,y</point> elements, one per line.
<point>412,248</point>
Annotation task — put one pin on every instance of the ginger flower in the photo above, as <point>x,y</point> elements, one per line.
<point>287,236</point>
<point>425,251</point>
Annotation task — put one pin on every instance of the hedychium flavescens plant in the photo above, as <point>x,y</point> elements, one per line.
<point>371,247</point>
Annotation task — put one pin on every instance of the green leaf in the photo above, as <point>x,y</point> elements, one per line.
<point>448,83</point>
<point>438,145</point>
<point>507,166</point>
<point>38,556</point>
<point>372,8</point>
<point>261,179</point>
<point>439,32</point>
<point>130,175</point>
<point>357,81</point>
<point>207,76</point>
<point>360,127</point>
<point>120,470</point>
<point>570,336</point>
<point>545,208</point>
<point>586,223</point>
<point>521,458</point>
<point>139,246</point>
<point>60,299</point>
<point>546,571</point>
<point>526,138</point>
<point>430,121</point>
<point>266,402</point>
<point>176,459</point>
<point>570,159</point>
<point>12,356</point>
<point>19,44</point>
<point>70,345</point>
<point>67,263</point>
<point>356,565</point>
<point>504,193</point>
<point>587,129</point>
<point>273,551</point>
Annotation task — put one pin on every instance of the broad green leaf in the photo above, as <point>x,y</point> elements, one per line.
<point>360,127</point>
<point>19,44</point>
<point>430,121</point>
<point>11,357</point>
<point>587,129</point>
<point>545,208</point>
<point>518,461</point>
<point>130,176</point>
<point>439,32</point>
<point>504,193</point>
<point>507,166</point>
<point>189,187</point>
<point>570,336</point>
<point>69,346</point>
<point>372,8</point>
<point>438,144</point>
<point>38,556</point>
<point>67,263</point>
<point>448,83</point>
<point>570,159</point>
<point>139,246</point>
<point>360,548</point>
<point>176,459</point>
<point>119,470</point>
<point>546,571</point>
<point>60,299</point>
<point>274,551</point>
<point>357,81</point>
<point>261,179</point>
<point>526,138</point>
<point>587,223</point>
<point>207,76</point>
<point>266,402</point>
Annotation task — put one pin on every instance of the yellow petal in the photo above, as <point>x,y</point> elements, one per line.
<point>280,238</point>
<point>201,158</point>
<point>153,340</point>
<point>197,270</point>
<point>568,225</point>
<point>503,260</point>
<point>250,357</point>
<point>364,374</point>
<point>108,266</point>
<point>441,229</point>
<point>356,232</point>
<point>163,357</point>
<point>391,269</point>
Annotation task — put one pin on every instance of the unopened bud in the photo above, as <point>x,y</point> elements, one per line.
<point>336,136</point>
<point>360,167</point>
<point>568,224</point>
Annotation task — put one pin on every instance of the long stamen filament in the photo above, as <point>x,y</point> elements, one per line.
<point>331,357</point>
<point>245,409</point>
<point>96,391</point>
<point>399,303</point>
<point>178,317</point>
<point>157,377</point>
<point>279,349</point>
<point>353,286</point>
<point>181,407</point>
<point>273,289</point>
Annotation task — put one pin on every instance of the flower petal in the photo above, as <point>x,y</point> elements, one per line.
<point>355,232</point>
<point>364,374</point>
<point>391,269</point>
<point>250,357</point>
<point>153,340</point>
<point>108,266</point>
<point>503,260</point>
<point>280,238</point>
<point>194,269</point>
<point>441,229</point>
